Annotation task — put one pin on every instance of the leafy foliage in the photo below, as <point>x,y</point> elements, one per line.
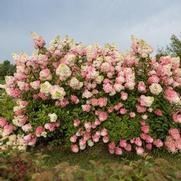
<point>122,127</point>
<point>6,105</point>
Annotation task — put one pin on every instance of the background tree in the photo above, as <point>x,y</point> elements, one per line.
<point>6,68</point>
<point>173,49</point>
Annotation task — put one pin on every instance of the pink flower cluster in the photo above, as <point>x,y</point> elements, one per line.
<point>85,136</point>
<point>173,140</point>
<point>139,144</point>
<point>7,128</point>
<point>177,117</point>
<point>100,80</point>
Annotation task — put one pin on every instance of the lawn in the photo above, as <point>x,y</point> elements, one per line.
<point>94,164</point>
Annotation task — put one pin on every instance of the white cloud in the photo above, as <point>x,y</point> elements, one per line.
<point>157,29</point>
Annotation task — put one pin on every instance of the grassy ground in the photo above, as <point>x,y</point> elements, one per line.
<point>95,164</point>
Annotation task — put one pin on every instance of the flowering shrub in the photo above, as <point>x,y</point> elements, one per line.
<point>80,95</point>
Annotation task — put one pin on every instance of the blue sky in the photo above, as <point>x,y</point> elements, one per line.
<point>88,21</point>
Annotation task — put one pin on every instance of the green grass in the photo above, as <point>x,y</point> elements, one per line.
<point>100,165</point>
<point>53,156</point>
<point>94,164</point>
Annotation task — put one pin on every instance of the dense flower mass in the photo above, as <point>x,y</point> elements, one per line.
<point>87,94</point>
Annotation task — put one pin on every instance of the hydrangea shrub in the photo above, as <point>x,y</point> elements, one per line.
<point>80,95</point>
